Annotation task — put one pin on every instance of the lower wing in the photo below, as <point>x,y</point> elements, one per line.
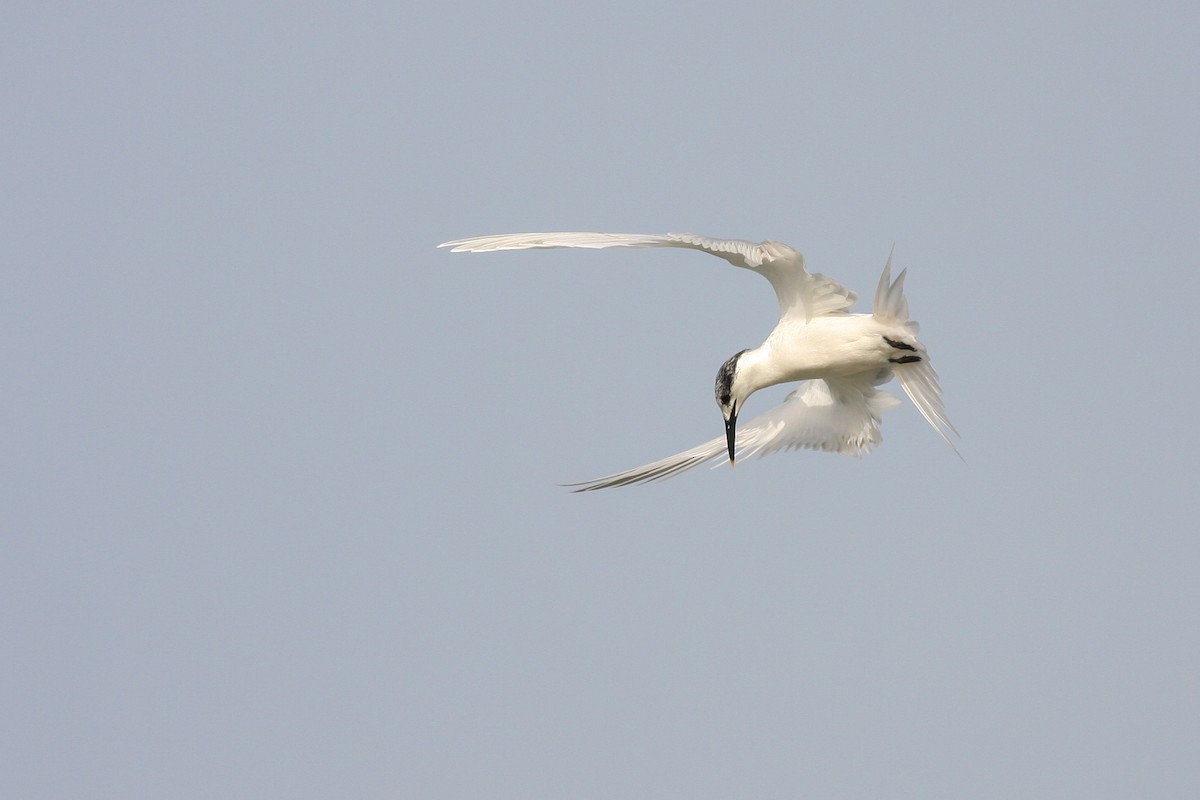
<point>838,416</point>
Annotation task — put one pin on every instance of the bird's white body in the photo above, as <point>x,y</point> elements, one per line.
<point>833,346</point>
<point>840,357</point>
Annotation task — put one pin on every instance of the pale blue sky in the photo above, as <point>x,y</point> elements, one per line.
<point>281,517</point>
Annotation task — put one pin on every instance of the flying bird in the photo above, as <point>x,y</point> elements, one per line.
<point>839,358</point>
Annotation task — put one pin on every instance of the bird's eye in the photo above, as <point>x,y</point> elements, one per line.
<point>724,399</point>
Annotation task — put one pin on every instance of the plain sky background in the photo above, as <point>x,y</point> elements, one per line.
<point>280,514</point>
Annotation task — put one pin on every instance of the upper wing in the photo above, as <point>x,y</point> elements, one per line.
<point>839,416</point>
<point>800,292</point>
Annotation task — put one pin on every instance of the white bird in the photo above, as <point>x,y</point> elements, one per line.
<point>840,357</point>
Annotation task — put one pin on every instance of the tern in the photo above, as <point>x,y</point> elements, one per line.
<point>839,357</point>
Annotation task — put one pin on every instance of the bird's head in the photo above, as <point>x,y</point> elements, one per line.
<point>731,393</point>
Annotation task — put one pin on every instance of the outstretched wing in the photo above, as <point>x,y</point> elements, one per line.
<point>838,416</point>
<point>801,294</point>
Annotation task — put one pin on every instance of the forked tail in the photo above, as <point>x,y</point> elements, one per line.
<point>890,304</point>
